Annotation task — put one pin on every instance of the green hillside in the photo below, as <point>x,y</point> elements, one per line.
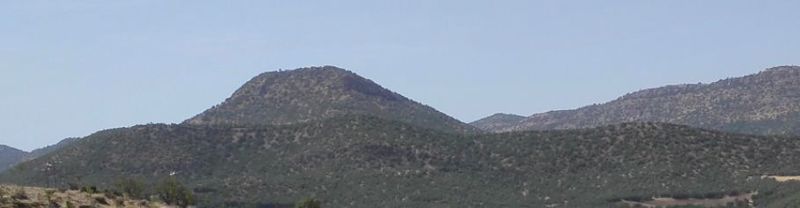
<point>360,161</point>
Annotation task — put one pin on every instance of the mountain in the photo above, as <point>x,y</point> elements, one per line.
<point>497,122</point>
<point>314,93</point>
<point>10,156</point>
<point>50,148</point>
<point>329,134</point>
<point>764,103</point>
<point>362,161</point>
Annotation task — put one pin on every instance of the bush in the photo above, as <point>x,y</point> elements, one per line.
<point>89,189</point>
<point>73,186</point>
<point>130,187</point>
<point>20,194</point>
<point>308,203</point>
<point>173,192</point>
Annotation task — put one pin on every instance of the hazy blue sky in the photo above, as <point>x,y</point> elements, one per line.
<point>70,68</point>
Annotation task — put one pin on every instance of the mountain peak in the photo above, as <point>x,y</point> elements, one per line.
<point>313,93</point>
<point>323,80</point>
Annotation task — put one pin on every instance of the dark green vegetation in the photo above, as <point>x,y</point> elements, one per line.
<point>764,103</point>
<point>308,203</point>
<point>9,156</point>
<point>315,93</point>
<point>364,161</point>
<point>785,195</point>
<point>173,192</point>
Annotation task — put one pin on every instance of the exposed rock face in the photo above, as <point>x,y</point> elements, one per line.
<point>314,93</point>
<point>763,103</point>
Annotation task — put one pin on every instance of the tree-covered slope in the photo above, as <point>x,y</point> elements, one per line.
<point>763,103</point>
<point>314,93</point>
<point>360,161</point>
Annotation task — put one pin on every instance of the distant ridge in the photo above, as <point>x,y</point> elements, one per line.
<point>313,93</point>
<point>497,122</point>
<point>763,103</point>
<point>10,156</point>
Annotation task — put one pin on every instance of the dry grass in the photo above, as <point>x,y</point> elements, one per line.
<point>16,196</point>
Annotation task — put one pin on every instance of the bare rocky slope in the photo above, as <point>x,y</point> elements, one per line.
<point>764,103</point>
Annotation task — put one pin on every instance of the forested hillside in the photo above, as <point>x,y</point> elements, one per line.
<point>363,161</point>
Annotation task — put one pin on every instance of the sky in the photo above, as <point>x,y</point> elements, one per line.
<point>71,68</point>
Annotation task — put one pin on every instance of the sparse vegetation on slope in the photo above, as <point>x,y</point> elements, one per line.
<point>360,161</point>
<point>764,103</point>
<point>315,93</point>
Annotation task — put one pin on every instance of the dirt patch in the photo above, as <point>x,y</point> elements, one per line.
<point>783,178</point>
<point>720,202</point>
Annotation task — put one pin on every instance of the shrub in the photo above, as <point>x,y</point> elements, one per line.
<point>131,187</point>
<point>89,189</point>
<point>308,203</point>
<point>173,192</point>
<point>74,186</point>
<point>20,194</point>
